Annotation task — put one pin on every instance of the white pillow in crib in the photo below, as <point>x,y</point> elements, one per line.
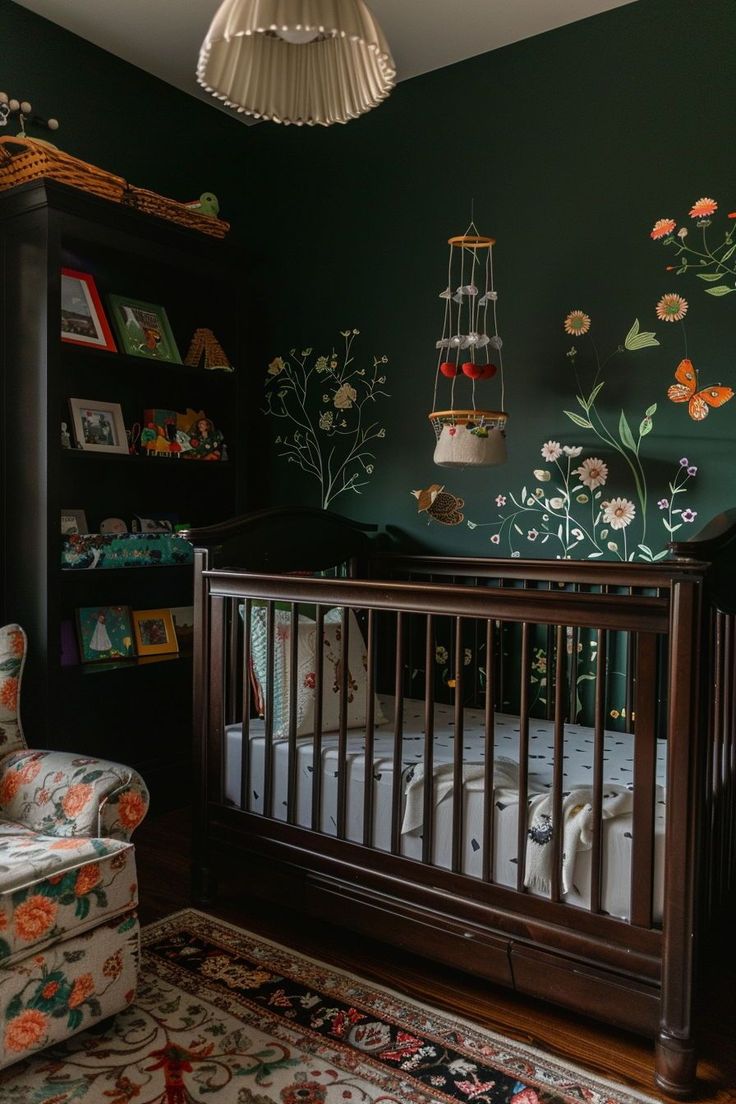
<point>357,689</point>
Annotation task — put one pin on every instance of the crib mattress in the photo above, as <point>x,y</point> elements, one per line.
<point>577,772</point>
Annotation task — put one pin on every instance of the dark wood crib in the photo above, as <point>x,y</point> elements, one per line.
<point>623,667</point>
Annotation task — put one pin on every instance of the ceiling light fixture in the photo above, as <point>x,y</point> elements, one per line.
<point>297,61</point>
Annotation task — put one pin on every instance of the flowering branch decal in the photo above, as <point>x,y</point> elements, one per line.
<point>712,264</point>
<point>327,404</point>
<point>574,515</point>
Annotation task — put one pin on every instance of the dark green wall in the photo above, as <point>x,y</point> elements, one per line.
<point>125,120</point>
<point>571,144</point>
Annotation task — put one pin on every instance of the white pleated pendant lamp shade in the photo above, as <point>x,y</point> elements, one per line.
<point>297,61</point>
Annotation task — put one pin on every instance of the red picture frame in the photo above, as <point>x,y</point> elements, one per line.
<point>83,319</point>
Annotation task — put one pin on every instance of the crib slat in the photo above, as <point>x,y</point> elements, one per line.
<point>370,716</point>
<point>523,758</point>
<point>232,661</point>
<point>724,835</point>
<point>599,723</point>
<point>559,762</point>
<point>489,746</point>
<point>645,767</point>
<point>396,795</point>
<point>293,672</point>
<point>268,737</point>
<point>342,736</point>
<point>731,756</point>
<point>245,727</point>
<point>630,676</point>
<point>216,720</point>
<point>428,811</point>
<point>319,669</point>
<point>458,756</point>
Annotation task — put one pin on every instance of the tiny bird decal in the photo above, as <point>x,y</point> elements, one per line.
<point>439,504</point>
<point>686,390</point>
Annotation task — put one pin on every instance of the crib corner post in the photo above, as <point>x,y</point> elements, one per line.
<point>201,882</point>
<point>675,1049</point>
<point>675,1065</point>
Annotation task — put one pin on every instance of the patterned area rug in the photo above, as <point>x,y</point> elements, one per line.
<point>225,1017</point>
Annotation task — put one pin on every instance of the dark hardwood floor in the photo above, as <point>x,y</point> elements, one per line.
<point>163,850</point>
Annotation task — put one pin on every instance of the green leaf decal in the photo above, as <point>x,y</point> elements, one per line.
<point>635,340</point>
<point>645,427</point>
<point>594,393</point>
<point>582,422</point>
<point>728,254</point>
<point>624,432</point>
<point>710,277</point>
<point>651,410</point>
<point>720,290</point>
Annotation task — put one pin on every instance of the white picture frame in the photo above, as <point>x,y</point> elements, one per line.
<point>98,426</point>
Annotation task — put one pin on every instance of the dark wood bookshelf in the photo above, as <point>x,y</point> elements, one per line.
<point>201,282</point>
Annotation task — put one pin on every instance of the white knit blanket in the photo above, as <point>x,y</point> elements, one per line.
<point>578,824</point>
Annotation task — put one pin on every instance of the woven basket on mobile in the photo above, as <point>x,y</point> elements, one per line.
<point>170,209</point>
<point>23,160</point>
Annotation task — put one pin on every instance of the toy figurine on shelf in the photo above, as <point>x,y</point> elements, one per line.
<point>66,441</point>
<point>208,204</point>
<point>206,350</point>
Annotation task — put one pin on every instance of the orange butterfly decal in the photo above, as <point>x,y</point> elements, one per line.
<point>698,402</point>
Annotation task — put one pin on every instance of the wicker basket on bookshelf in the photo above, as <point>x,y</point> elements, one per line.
<point>23,160</point>
<point>154,204</point>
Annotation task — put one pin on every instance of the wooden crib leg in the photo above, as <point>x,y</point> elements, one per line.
<point>675,1065</point>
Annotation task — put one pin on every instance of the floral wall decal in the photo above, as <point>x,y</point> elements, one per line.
<point>713,264</point>
<point>574,513</point>
<point>327,405</point>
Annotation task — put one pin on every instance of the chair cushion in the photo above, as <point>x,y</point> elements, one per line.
<point>51,886</point>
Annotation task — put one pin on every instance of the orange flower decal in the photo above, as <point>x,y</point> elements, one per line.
<point>35,917</point>
<point>703,208</point>
<point>75,799</point>
<point>26,1030</point>
<point>87,878</point>
<point>9,786</point>
<point>83,987</point>
<point>9,693</point>
<point>131,809</point>
<point>662,228</point>
<point>50,989</point>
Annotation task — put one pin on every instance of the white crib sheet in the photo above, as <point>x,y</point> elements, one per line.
<point>578,771</point>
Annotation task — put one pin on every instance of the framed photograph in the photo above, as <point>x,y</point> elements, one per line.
<point>143,329</point>
<point>83,320</point>
<point>105,632</point>
<point>98,426</point>
<point>183,617</point>
<point>154,632</point>
<point>73,522</point>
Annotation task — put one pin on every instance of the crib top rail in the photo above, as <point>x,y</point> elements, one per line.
<point>625,612</point>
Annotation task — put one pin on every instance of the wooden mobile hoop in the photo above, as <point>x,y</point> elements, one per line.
<point>469,436</point>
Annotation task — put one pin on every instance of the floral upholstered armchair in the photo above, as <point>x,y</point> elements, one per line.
<point>69,936</point>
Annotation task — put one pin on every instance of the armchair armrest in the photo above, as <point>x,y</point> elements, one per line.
<point>62,794</point>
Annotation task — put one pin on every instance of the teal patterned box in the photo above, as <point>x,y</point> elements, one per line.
<point>87,551</point>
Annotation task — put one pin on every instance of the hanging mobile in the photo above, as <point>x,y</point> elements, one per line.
<point>469,437</point>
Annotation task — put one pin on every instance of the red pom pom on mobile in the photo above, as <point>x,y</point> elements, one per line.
<point>449,369</point>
